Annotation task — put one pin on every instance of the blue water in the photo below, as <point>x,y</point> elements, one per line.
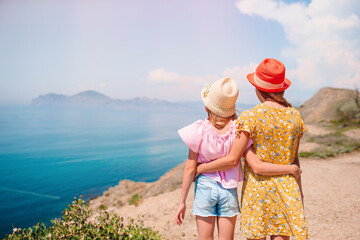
<point>48,156</point>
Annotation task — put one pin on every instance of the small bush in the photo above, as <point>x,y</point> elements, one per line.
<point>75,225</point>
<point>135,199</point>
<point>306,154</point>
<point>338,133</point>
<point>331,151</point>
<point>102,207</point>
<point>348,114</point>
<point>310,139</point>
<point>332,144</point>
<point>319,154</point>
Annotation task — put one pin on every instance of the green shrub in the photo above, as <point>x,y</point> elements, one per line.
<point>75,225</point>
<point>310,139</point>
<point>318,154</point>
<point>348,113</point>
<point>102,207</point>
<point>135,199</point>
<point>332,150</point>
<point>332,144</point>
<point>306,154</point>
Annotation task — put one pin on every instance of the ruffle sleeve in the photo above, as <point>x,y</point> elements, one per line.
<point>244,123</point>
<point>192,135</point>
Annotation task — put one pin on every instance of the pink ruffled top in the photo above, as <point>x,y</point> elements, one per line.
<point>202,138</point>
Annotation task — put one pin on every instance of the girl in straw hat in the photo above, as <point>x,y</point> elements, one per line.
<point>216,191</point>
<point>271,205</point>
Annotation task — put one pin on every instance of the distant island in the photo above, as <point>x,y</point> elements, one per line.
<point>94,99</point>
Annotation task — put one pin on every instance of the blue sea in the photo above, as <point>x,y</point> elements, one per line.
<point>48,156</point>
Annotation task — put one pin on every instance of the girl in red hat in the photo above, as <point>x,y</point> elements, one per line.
<point>216,199</point>
<point>270,205</point>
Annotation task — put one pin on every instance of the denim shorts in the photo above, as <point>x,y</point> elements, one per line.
<point>211,199</point>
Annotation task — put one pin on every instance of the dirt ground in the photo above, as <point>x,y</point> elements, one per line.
<point>332,203</point>
<point>331,195</point>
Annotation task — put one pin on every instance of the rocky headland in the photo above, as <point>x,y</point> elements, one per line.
<point>328,103</point>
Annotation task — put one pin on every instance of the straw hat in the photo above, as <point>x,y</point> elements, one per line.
<point>220,97</point>
<point>270,76</point>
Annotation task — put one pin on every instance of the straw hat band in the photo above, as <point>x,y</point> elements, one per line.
<point>219,107</point>
<point>220,97</point>
<point>265,84</point>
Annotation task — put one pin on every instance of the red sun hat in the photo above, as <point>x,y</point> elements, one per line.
<point>270,76</point>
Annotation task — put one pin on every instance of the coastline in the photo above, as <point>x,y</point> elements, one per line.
<point>119,195</point>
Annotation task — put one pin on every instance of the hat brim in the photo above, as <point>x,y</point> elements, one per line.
<point>285,86</point>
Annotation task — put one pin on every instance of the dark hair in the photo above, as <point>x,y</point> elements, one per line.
<point>275,97</point>
<point>217,121</point>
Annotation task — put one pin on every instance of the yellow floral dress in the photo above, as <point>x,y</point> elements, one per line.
<point>271,205</point>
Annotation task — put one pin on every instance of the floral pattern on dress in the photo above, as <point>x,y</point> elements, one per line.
<point>271,205</point>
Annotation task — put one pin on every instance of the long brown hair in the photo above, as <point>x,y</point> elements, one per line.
<point>217,121</point>
<point>275,97</point>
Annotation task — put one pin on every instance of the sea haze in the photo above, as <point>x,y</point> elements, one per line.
<point>48,155</point>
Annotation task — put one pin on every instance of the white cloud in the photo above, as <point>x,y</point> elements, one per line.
<point>240,73</point>
<point>174,86</point>
<point>324,37</point>
<point>161,76</point>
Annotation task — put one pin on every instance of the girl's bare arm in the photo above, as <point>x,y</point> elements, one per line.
<point>189,173</point>
<point>188,176</point>
<point>297,162</point>
<point>234,157</point>
<point>229,161</point>
<point>269,169</point>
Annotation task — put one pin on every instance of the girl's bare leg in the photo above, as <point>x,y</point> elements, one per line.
<point>256,238</point>
<point>280,237</point>
<point>205,227</point>
<point>226,227</point>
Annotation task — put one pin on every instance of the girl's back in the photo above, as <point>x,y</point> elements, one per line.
<point>215,197</point>
<point>275,132</point>
<point>203,138</point>
<point>272,202</point>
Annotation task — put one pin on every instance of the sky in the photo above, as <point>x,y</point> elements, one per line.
<point>169,49</point>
